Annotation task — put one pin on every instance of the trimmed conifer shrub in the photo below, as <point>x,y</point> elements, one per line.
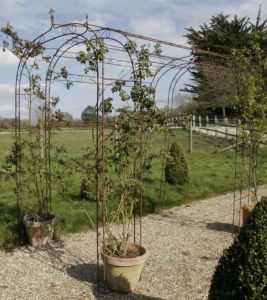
<point>242,270</point>
<point>176,170</point>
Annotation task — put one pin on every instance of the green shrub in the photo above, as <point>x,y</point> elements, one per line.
<point>242,270</point>
<point>176,170</point>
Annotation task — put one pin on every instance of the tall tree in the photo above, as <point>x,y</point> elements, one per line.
<point>89,114</point>
<point>213,85</point>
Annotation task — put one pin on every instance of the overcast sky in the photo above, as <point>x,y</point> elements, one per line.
<point>164,19</point>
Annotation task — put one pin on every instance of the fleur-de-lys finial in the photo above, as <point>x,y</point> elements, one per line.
<point>51,13</point>
<point>86,18</point>
<point>8,25</point>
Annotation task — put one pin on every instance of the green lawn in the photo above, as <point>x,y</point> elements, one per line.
<point>211,173</point>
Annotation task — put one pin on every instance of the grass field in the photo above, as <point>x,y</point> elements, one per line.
<point>211,173</point>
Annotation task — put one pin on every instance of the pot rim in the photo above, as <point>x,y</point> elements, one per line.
<point>39,222</point>
<point>124,261</point>
<point>249,206</point>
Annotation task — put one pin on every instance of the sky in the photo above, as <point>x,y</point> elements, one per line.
<point>163,19</point>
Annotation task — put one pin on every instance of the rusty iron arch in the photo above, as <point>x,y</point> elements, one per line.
<point>63,38</point>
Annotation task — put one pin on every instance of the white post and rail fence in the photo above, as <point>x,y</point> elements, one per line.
<point>226,128</point>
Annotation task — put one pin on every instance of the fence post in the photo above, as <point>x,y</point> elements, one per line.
<point>215,120</point>
<point>190,136</point>
<point>207,121</point>
<point>226,120</point>
<point>226,132</point>
<point>199,121</point>
<point>194,120</point>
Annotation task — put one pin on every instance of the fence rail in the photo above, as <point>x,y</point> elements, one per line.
<point>209,128</point>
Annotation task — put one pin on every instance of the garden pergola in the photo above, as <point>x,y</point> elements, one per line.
<point>114,57</point>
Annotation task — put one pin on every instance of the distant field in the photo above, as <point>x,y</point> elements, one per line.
<point>210,173</point>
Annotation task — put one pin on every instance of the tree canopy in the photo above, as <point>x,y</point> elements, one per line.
<point>89,114</point>
<point>214,82</point>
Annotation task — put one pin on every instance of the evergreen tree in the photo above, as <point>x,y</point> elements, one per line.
<point>213,85</point>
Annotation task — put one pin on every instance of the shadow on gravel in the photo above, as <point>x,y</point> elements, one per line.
<point>88,273</point>
<point>56,254</point>
<point>83,272</point>
<point>230,228</point>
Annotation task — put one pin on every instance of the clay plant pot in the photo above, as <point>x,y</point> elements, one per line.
<point>123,274</point>
<point>247,209</point>
<point>40,233</point>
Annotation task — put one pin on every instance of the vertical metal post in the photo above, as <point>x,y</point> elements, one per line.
<point>18,144</point>
<point>103,199</point>
<point>194,121</point>
<point>97,176</point>
<point>141,173</point>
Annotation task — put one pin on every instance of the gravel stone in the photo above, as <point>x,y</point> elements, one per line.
<point>184,245</point>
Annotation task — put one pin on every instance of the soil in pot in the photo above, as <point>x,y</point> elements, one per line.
<point>123,273</point>
<point>39,228</point>
<point>247,209</point>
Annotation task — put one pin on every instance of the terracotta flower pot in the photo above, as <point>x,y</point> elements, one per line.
<point>123,274</point>
<point>39,233</point>
<point>247,209</point>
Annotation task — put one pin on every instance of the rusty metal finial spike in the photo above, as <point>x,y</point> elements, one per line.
<point>51,13</point>
<point>86,18</point>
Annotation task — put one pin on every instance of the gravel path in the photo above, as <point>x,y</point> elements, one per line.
<point>184,245</point>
